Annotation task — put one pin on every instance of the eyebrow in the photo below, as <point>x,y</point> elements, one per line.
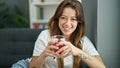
<point>67,16</point>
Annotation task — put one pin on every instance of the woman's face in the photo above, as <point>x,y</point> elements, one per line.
<point>68,21</point>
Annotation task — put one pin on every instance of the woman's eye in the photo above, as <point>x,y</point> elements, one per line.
<point>74,19</point>
<point>62,17</point>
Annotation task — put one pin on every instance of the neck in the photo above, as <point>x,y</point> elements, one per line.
<point>67,37</point>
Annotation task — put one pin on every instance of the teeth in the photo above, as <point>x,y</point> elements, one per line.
<point>66,28</point>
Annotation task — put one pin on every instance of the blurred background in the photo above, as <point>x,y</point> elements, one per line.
<point>14,14</point>
<point>102,24</point>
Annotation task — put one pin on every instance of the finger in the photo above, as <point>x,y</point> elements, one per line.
<point>62,49</point>
<point>51,42</point>
<point>49,52</point>
<point>61,43</point>
<point>53,47</point>
<point>65,52</point>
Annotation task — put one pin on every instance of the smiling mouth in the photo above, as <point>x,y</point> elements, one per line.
<point>66,29</point>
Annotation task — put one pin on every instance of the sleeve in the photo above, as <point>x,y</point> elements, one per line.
<point>88,47</point>
<point>39,44</point>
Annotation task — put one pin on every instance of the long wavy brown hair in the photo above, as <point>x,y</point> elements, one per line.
<point>53,26</point>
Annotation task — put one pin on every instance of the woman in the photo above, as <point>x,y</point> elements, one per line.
<point>68,21</point>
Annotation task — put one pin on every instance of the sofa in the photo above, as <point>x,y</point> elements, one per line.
<point>16,44</point>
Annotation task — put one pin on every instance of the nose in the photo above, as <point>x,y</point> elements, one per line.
<point>68,21</point>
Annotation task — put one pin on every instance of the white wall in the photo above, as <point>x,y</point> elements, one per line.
<point>103,20</point>
<point>108,30</point>
<point>90,12</point>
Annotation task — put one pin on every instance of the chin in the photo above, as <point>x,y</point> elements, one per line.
<point>67,33</point>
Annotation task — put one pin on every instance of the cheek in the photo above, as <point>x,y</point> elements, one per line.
<point>75,25</point>
<point>60,24</point>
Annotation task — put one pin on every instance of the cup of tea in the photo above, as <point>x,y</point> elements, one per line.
<point>57,39</point>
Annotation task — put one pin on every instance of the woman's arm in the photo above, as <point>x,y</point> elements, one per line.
<point>37,61</point>
<point>91,61</point>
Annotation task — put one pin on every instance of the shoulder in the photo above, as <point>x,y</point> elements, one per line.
<point>88,46</point>
<point>84,38</point>
<point>44,34</point>
<point>45,31</point>
<point>85,41</point>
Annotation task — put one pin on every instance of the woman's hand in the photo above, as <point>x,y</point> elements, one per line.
<point>67,49</point>
<point>50,49</point>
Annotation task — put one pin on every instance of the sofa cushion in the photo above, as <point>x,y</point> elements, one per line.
<point>16,44</point>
